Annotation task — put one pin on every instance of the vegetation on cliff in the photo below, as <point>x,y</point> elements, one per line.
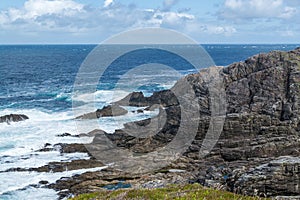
<point>188,192</point>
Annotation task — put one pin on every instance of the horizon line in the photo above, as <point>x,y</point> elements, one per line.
<point>11,44</point>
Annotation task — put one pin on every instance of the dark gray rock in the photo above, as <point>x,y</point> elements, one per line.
<point>164,98</point>
<point>106,111</point>
<point>13,118</point>
<point>278,177</point>
<point>262,124</point>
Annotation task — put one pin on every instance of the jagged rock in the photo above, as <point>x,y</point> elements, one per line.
<point>164,98</point>
<point>140,111</point>
<point>13,118</point>
<point>90,181</point>
<point>106,111</point>
<point>262,119</point>
<point>67,135</point>
<point>262,124</point>
<point>70,148</point>
<point>61,166</point>
<point>278,177</point>
<point>143,140</point>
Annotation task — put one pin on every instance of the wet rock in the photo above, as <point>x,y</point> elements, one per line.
<point>106,111</point>
<point>47,145</point>
<point>68,166</point>
<point>43,182</point>
<point>13,118</point>
<point>92,133</point>
<point>91,181</point>
<point>61,166</point>
<point>140,111</point>
<point>67,135</point>
<point>70,148</point>
<point>152,108</point>
<point>164,98</point>
<point>65,148</point>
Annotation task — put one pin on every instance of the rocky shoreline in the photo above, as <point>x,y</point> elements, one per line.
<point>13,118</point>
<point>257,154</point>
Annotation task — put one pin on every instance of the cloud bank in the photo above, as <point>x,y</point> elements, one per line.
<point>73,21</point>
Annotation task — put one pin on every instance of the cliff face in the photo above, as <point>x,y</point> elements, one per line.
<point>262,123</point>
<point>258,150</point>
<point>265,84</point>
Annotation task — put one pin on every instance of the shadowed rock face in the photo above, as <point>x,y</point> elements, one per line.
<point>266,84</point>
<point>13,118</point>
<point>262,124</point>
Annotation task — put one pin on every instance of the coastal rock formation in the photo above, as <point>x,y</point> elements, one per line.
<point>278,177</point>
<point>106,111</point>
<point>164,98</point>
<point>13,118</point>
<point>262,124</point>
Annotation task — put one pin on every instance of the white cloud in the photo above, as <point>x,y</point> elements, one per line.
<point>288,12</point>
<point>108,3</point>
<point>251,9</point>
<point>198,28</point>
<point>168,4</point>
<point>76,19</point>
<point>33,10</point>
<point>69,15</point>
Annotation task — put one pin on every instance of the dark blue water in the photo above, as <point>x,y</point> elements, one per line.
<point>42,76</point>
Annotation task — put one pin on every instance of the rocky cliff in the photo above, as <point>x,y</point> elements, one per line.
<point>259,147</point>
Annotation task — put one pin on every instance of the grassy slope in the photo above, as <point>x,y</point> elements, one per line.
<point>188,192</point>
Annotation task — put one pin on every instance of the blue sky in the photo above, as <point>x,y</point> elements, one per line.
<point>92,21</point>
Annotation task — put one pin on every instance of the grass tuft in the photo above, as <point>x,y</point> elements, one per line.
<point>177,192</point>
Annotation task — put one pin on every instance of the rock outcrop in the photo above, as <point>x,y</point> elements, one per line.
<point>106,111</point>
<point>13,118</point>
<point>262,124</point>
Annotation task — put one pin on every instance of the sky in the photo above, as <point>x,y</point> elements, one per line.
<point>92,21</point>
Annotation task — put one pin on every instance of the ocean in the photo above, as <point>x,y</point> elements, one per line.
<point>37,80</point>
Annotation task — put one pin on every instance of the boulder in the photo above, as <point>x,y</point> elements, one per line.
<point>13,118</point>
<point>106,111</point>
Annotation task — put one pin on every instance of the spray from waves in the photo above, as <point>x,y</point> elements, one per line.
<point>38,159</point>
<point>30,135</point>
<point>17,182</point>
<point>107,96</point>
<point>20,141</point>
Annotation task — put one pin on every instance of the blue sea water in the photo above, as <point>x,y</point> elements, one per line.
<point>42,76</point>
<point>37,80</point>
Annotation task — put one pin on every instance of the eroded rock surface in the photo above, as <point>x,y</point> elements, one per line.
<point>262,124</point>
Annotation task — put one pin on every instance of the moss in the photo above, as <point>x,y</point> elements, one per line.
<point>178,192</point>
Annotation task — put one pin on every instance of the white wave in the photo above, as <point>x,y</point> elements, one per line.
<point>11,182</point>
<point>38,159</point>
<point>30,193</point>
<point>27,136</point>
<point>38,115</point>
<point>110,124</point>
<point>107,96</point>
<point>20,141</point>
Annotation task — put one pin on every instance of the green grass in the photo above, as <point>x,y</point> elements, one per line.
<point>187,192</point>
